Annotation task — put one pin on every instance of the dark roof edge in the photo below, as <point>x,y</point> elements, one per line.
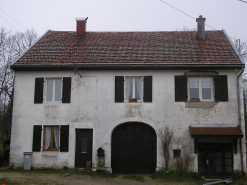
<point>119,67</point>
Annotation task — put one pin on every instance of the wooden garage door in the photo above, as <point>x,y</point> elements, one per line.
<point>134,147</point>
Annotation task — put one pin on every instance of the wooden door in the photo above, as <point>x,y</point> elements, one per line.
<point>134,149</point>
<point>215,160</point>
<point>84,141</point>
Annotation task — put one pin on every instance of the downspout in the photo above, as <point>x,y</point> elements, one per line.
<point>239,120</point>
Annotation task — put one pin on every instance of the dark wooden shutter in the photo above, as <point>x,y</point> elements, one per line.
<point>66,90</point>
<point>147,94</point>
<point>39,88</point>
<point>64,138</point>
<point>221,88</point>
<point>37,138</point>
<point>181,89</point>
<point>119,89</point>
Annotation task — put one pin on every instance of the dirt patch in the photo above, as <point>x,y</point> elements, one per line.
<point>75,179</point>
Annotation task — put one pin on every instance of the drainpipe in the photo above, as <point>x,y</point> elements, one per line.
<point>239,120</point>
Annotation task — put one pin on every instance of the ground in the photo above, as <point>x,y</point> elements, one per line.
<point>20,178</point>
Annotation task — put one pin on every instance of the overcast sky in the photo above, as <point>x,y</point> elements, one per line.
<point>124,15</point>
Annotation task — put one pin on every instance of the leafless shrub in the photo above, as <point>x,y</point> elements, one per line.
<point>166,135</point>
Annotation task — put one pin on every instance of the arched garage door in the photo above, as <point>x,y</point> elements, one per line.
<point>134,149</point>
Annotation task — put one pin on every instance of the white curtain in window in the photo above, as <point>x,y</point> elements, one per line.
<point>58,88</point>
<point>206,82</point>
<point>194,82</point>
<point>55,137</point>
<point>138,84</point>
<point>47,137</point>
<point>49,90</point>
<point>129,87</point>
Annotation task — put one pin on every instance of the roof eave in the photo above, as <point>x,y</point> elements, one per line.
<point>119,67</point>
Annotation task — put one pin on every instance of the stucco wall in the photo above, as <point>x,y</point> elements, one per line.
<point>92,106</point>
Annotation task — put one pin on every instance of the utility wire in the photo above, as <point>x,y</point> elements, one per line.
<point>243,1</point>
<point>13,19</point>
<point>10,23</point>
<point>192,16</point>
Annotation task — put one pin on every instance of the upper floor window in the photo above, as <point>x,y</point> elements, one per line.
<point>200,88</point>
<point>53,90</point>
<point>56,90</point>
<point>133,90</point>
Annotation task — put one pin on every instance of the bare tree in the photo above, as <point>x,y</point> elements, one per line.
<point>12,45</point>
<point>166,135</point>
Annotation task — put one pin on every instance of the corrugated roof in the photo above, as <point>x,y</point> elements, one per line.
<point>61,48</point>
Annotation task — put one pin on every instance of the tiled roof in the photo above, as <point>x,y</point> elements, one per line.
<point>61,48</point>
<point>215,131</point>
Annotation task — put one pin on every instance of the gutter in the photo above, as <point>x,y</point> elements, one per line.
<point>239,120</point>
<point>119,67</point>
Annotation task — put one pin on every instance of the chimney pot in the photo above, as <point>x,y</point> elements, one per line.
<point>81,26</point>
<point>201,28</point>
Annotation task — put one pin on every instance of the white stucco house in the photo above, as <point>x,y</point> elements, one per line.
<point>78,91</point>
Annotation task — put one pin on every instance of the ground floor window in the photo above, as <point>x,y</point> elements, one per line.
<point>51,138</point>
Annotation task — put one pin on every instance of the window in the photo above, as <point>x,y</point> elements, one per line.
<point>133,88</point>
<point>176,153</point>
<point>200,88</point>
<point>56,90</point>
<point>53,90</point>
<point>51,136</point>
<point>204,88</point>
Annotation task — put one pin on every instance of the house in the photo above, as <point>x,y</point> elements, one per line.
<point>78,91</point>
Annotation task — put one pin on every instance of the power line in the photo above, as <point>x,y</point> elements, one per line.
<point>13,19</point>
<point>192,16</point>
<point>10,23</point>
<point>243,1</point>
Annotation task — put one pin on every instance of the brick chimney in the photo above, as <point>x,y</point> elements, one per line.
<point>201,28</point>
<point>81,26</point>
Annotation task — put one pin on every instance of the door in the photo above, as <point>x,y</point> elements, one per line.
<point>84,141</point>
<point>215,160</point>
<point>134,149</point>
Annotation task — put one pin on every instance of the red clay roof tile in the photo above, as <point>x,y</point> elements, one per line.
<point>130,49</point>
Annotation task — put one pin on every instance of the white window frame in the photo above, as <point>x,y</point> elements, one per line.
<point>200,87</point>
<point>53,91</point>
<point>133,87</point>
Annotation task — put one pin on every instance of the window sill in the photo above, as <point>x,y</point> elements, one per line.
<point>50,153</point>
<point>201,104</point>
<point>195,100</point>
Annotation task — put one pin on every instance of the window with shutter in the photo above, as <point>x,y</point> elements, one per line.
<point>181,89</point>
<point>201,88</point>
<point>66,89</point>
<point>133,89</point>
<point>221,88</point>
<point>37,129</point>
<point>119,89</point>
<point>39,88</point>
<point>64,138</point>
